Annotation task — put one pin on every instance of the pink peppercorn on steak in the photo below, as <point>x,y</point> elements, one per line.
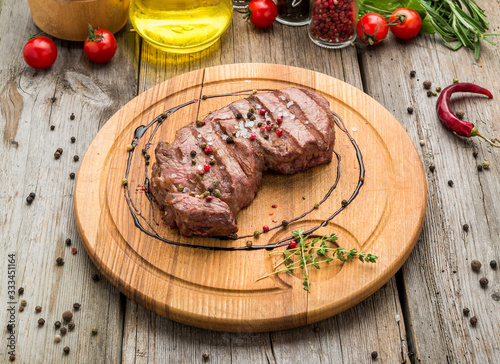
<point>214,167</point>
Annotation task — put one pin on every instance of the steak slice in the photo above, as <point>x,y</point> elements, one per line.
<point>242,149</point>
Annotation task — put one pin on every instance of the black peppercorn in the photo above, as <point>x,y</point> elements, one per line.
<point>52,127</point>
<point>29,200</point>
<point>66,350</point>
<point>410,110</point>
<point>493,264</point>
<point>63,330</point>
<point>249,114</point>
<point>465,227</point>
<point>73,139</point>
<point>193,161</point>
<point>60,261</point>
<point>483,282</point>
<point>71,326</point>
<point>41,322</point>
<point>450,183</point>
<point>239,116</point>
<point>429,93</point>
<point>413,73</point>
<point>193,153</point>
<point>147,157</point>
<point>284,223</point>
<point>229,140</point>
<point>252,118</point>
<point>95,277</point>
<point>32,195</point>
<point>12,357</point>
<point>72,116</point>
<point>344,203</point>
<point>374,355</point>
<point>72,175</point>
<point>38,309</point>
<point>466,311</point>
<point>57,324</point>
<point>76,158</point>
<point>59,150</point>
<point>68,241</point>
<point>204,97</point>
<point>427,84</point>
<point>266,136</point>
<point>94,331</point>
<point>473,320</point>
<point>432,168</point>
<point>76,306</point>
<point>259,124</point>
<point>57,155</point>
<point>20,290</point>
<point>479,167</point>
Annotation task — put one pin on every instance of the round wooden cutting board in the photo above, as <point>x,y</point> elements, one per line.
<point>218,289</point>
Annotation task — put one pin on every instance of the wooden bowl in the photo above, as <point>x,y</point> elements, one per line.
<point>69,19</point>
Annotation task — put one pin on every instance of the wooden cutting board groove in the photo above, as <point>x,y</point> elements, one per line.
<point>218,289</point>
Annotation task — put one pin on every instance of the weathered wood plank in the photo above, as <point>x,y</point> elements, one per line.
<point>31,101</point>
<point>437,279</point>
<point>347,337</point>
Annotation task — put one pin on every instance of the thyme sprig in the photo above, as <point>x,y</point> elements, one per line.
<point>312,253</point>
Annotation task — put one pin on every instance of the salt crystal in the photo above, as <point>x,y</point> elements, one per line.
<point>285,114</point>
<point>224,137</point>
<point>200,167</point>
<point>248,81</point>
<point>209,138</point>
<point>354,129</point>
<point>210,143</point>
<point>289,104</point>
<point>283,97</point>
<point>199,135</point>
<point>292,117</point>
<point>306,122</point>
<point>398,318</point>
<point>272,110</point>
<point>259,106</point>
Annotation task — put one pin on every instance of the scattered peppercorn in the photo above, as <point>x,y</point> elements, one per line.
<point>256,234</point>
<point>229,140</point>
<point>284,223</point>
<point>71,326</point>
<point>479,167</point>
<point>216,192</point>
<point>212,161</point>
<point>67,315</point>
<point>76,306</point>
<point>455,80</point>
<point>466,311</point>
<point>66,350</point>
<point>76,158</point>
<point>266,136</point>
<point>72,175</point>
<point>12,357</point>
<point>24,303</point>
<point>57,324</point>
<point>206,356</point>
<point>21,309</point>
<point>94,331</point>
<point>73,139</point>
<point>465,227</point>
<point>238,115</point>
<point>410,110</point>
<point>60,261</point>
<point>374,355</point>
<point>57,338</point>
<point>68,241</point>
<point>316,205</point>
<point>252,118</point>
<point>20,290</point>
<point>124,182</point>
<point>59,150</point>
<point>199,124</point>
<point>73,251</point>
<point>249,244</point>
<point>473,320</point>
<point>63,330</point>
<point>432,168</point>
<point>251,110</point>
<point>438,89</point>
<point>52,127</point>
<point>95,277</point>
<point>427,84</point>
<point>265,228</point>
<point>429,93</point>
<point>413,73</point>
<point>475,265</point>
<point>434,93</point>
<point>422,143</point>
<point>203,145</point>
<point>493,264</point>
<point>72,116</point>
<point>38,309</point>
<point>209,198</point>
<point>344,203</point>
<point>204,97</point>
<point>450,183</point>
<point>41,322</point>
<point>180,188</point>
<point>483,282</point>
<point>486,165</point>
<point>460,114</point>
<point>29,200</point>
<point>193,161</point>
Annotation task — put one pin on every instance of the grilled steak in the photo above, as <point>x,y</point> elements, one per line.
<point>285,131</point>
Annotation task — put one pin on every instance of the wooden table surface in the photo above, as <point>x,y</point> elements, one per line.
<point>416,317</point>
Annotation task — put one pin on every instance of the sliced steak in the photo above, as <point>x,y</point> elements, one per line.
<point>244,145</point>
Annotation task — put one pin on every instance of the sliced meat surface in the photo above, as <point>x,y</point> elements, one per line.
<point>285,131</point>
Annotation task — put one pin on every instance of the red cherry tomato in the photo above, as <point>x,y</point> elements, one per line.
<point>262,13</point>
<point>100,45</point>
<point>372,28</point>
<point>40,52</point>
<point>409,25</point>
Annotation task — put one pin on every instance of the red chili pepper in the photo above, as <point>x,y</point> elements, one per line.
<point>450,120</point>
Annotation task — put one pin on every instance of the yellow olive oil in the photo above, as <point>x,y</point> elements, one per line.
<point>181,26</point>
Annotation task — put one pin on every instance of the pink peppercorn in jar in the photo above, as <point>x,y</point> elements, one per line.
<point>333,22</point>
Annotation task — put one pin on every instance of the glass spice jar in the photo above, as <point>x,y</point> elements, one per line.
<point>240,4</point>
<point>294,12</point>
<point>333,22</point>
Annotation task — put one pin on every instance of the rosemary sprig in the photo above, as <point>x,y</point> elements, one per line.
<point>309,254</point>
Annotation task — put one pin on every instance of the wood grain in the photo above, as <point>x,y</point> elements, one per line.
<point>218,290</point>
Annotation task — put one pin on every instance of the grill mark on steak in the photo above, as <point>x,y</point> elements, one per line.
<point>301,116</point>
<point>323,103</point>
